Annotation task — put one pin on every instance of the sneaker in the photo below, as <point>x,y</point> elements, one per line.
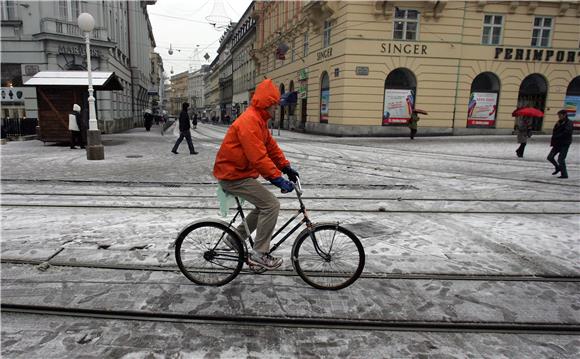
<point>264,260</point>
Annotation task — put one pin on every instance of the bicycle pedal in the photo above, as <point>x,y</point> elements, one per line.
<point>256,269</point>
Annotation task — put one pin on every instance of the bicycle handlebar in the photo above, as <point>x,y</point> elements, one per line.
<point>298,187</point>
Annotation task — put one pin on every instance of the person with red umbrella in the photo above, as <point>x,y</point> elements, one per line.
<point>523,126</point>
<point>413,121</point>
<point>561,141</point>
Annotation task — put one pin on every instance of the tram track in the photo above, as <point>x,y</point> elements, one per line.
<point>312,210</point>
<point>304,197</point>
<point>291,273</point>
<point>299,322</point>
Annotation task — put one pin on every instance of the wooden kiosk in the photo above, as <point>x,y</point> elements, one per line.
<point>58,91</point>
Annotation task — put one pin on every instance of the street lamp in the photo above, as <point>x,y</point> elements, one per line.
<point>95,150</point>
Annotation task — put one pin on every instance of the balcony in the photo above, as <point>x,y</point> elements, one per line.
<point>50,26</point>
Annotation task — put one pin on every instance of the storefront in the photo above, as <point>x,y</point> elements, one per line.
<point>468,67</point>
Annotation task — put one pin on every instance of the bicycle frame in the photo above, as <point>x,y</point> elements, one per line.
<point>305,220</point>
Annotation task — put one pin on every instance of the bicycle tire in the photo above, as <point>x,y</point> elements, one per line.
<point>341,268</point>
<point>203,256</point>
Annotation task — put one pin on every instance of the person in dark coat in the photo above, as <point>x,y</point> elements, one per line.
<point>184,130</point>
<point>524,132</point>
<point>413,124</point>
<point>561,141</point>
<point>148,119</point>
<point>75,126</point>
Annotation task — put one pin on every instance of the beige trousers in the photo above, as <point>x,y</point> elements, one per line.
<point>263,217</point>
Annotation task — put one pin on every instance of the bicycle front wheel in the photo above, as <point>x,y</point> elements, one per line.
<point>328,257</point>
<point>209,253</point>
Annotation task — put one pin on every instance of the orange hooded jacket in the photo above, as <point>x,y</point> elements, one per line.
<point>248,149</point>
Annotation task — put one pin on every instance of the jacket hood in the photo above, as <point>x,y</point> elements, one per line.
<point>266,94</point>
<point>76,108</point>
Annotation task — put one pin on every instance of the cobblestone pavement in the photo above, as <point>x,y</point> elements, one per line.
<point>455,230</point>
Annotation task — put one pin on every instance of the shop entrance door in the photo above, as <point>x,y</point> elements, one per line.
<point>533,91</point>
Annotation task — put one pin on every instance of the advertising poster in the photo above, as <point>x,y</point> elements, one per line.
<point>324,101</point>
<point>482,109</point>
<point>572,105</point>
<point>398,106</point>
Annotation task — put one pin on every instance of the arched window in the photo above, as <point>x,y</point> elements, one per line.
<point>533,91</point>
<point>483,98</point>
<point>399,101</point>
<point>572,101</point>
<point>324,97</point>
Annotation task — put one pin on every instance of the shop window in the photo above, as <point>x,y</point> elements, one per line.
<point>282,112</point>
<point>541,31</point>
<point>399,100</point>
<point>533,91</point>
<point>406,24</point>
<point>326,33</point>
<point>572,101</point>
<point>483,100</point>
<point>11,75</point>
<point>324,97</point>
<point>492,29</point>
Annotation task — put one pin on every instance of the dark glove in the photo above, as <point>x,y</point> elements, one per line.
<point>285,186</point>
<point>291,173</point>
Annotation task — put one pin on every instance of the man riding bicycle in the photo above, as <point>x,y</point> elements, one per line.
<point>247,152</point>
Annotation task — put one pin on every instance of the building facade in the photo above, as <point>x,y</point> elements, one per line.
<point>44,36</point>
<point>360,68</point>
<point>225,70</point>
<point>179,92</point>
<point>212,95</point>
<point>244,71</point>
<point>196,89</point>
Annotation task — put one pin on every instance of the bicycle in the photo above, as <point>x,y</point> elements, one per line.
<point>325,255</point>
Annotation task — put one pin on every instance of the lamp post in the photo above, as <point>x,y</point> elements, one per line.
<point>95,149</point>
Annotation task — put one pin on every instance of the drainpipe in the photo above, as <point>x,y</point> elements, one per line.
<point>458,69</point>
<point>130,61</point>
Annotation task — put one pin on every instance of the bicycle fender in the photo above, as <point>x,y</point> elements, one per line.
<point>317,225</point>
<point>206,220</point>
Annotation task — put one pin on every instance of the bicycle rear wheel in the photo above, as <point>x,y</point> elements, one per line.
<point>328,257</point>
<point>203,255</point>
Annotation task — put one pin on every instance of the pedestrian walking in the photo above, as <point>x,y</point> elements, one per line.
<point>561,141</point>
<point>247,152</point>
<point>75,126</point>
<point>413,124</point>
<point>184,130</point>
<point>524,131</point>
<point>148,119</point>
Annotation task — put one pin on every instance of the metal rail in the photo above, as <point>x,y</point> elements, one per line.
<point>291,273</point>
<point>301,322</point>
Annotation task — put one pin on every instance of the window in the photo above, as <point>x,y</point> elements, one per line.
<point>406,24</point>
<point>492,25</point>
<point>541,31</point>
<point>292,54</point>
<point>305,46</point>
<point>326,34</point>
<point>69,10</point>
<point>8,10</point>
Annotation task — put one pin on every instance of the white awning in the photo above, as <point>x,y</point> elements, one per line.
<point>101,80</point>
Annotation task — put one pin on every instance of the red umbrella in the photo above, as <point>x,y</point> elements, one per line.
<point>420,111</point>
<point>527,112</point>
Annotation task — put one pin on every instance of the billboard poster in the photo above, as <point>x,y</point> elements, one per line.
<point>482,109</point>
<point>324,101</point>
<point>572,105</point>
<point>398,106</point>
